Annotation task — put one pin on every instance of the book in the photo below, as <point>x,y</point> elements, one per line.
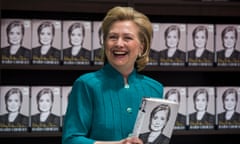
<point>14,108</point>
<point>172,44</point>
<point>155,120</point>
<point>227,45</point>
<point>97,49</point>
<point>200,44</point>
<point>77,42</point>
<point>228,107</point>
<point>66,90</point>
<point>15,41</point>
<point>46,41</point>
<point>155,46</point>
<point>178,94</point>
<point>201,107</point>
<point>45,99</point>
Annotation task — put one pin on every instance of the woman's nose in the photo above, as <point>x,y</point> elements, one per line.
<point>120,42</point>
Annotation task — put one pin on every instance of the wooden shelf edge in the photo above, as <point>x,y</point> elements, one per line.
<point>176,132</point>
<point>96,67</point>
<point>207,132</point>
<point>152,7</point>
<point>28,134</point>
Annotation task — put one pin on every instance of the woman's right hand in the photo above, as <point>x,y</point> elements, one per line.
<point>131,140</point>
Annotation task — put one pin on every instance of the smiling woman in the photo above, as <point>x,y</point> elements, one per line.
<point>123,46</point>
<point>103,105</point>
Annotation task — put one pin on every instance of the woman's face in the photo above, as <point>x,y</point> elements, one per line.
<point>173,97</point>
<point>76,37</point>
<point>201,102</point>
<point>46,36</point>
<point>13,103</point>
<point>200,39</point>
<point>159,120</point>
<point>123,45</point>
<point>229,39</point>
<point>230,102</point>
<point>172,39</point>
<point>15,35</point>
<point>45,103</point>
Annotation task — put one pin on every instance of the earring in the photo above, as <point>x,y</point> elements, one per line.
<point>139,55</point>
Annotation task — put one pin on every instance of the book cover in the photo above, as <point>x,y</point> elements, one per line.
<point>155,120</point>
<point>227,45</point>
<point>200,44</point>
<point>45,108</point>
<point>97,51</point>
<point>179,95</point>
<point>155,46</point>
<point>15,41</point>
<point>228,107</point>
<point>172,44</point>
<point>77,42</point>
<point>201,107</point>
<point>66,90</point>
<point>14,108</point>
<point>46,41</point>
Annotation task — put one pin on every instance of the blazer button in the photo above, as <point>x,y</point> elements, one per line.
<point>129,110</point>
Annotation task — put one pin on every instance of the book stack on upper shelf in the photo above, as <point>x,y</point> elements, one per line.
<point>80,42</point>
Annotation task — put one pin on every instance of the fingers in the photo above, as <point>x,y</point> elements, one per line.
<point>132,140</point>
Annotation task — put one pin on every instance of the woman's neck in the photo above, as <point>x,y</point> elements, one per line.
<point>125,72</point>
<point>228,52</point>
<point>44,116</point>
<point>171,51</point>
<point>153,135</point>
<point>76,49</point>
<point>12,116</point>
<point>14,49</point>
<point>199,51</point>
<point>200,114</point>
<point>44,49</point>
<point>229,114</point>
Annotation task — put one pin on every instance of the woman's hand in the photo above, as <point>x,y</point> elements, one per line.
<point>131,140</point>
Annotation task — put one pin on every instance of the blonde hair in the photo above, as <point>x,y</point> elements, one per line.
<point>145,30</point>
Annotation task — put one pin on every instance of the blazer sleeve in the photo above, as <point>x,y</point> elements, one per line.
<point>77,122</point>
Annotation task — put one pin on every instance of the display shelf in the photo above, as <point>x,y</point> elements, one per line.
<point>96,67</point>
<point>206,132</point>
<point>188,7</point>
<point>182,11</point>
<point>152,7</point>
<point>49,67</point>
<point>175,132</point>
<point>96,6</point>
<point>30,134</point>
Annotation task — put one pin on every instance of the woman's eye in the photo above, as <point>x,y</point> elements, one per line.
<point>112,37</point>
<point>129,38</point>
